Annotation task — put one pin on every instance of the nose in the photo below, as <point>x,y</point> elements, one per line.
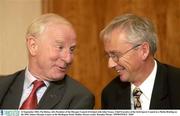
<point>111,63</point>
<point>67,57</point>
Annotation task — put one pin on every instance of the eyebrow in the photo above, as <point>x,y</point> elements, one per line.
<point>58,41</point>
<point>114,52</point>
<point>73,46</point>
<point>61,42</point>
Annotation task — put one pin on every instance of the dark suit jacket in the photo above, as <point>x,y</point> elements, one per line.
<point>165,94</point>
<point>64,94</point>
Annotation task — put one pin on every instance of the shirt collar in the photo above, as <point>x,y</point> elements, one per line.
<point>29,79</point>
<point>147,86</point>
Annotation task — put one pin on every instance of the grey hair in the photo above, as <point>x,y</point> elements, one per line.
<point>38,25</point>
<point>138,30</point>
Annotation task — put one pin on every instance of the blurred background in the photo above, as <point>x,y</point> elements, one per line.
<point>89,17</point>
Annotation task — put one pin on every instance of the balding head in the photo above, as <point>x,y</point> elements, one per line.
<point>39,24</point>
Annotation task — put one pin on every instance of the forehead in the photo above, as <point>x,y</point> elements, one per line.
<point>115,40</point>
<point>59,32</point>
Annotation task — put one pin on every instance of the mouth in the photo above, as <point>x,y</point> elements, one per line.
<point>62,69</point>
<point>119,69</point>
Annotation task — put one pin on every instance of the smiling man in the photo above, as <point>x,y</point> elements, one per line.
<point>142,82</point>
<point>51,41</point>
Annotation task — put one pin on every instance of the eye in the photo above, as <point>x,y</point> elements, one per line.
<point>107,55</point>
<point>110,55</point>
<point>113,55</point>
<point>72,49</point>
<point>60,48</point>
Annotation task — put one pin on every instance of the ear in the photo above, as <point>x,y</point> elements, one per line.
<point>32,45</point>
<point>145,49</point>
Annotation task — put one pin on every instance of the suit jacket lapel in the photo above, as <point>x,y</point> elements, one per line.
<point>123,99</point>
<point>160,99</point>
<point>53,95</point>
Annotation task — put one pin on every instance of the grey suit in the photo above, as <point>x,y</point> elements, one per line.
<point>63,94</point>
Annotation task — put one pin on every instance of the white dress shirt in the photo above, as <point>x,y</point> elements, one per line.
<point>146,87</point>
<point>28,86</point>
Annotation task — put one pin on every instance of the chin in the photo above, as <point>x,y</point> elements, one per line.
<point>57,77</point>
<point>123,79</point>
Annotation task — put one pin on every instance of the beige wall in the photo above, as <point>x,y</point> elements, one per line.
<point>15,16</point>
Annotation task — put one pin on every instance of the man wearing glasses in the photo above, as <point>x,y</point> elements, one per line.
<point>142,83</point>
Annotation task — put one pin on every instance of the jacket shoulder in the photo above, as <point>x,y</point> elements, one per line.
<point>9,77</point>
<point>171,72</point>
<point>115,85</point>
<point>80,96</point>
<point>75,87</point>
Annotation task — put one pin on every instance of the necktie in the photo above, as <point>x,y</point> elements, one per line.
<point>136,95</point>
<point>31,101</point>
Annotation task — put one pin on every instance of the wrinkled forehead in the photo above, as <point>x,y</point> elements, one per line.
<point>116,42</point>
<point>117,35</point>
<point>59,28</point>
<point>59,33</point>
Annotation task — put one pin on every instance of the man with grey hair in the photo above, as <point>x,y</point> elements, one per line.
<point>142,82</point>
<point>44,84</point>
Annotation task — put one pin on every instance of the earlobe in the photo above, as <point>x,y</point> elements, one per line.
<point>32,45</point>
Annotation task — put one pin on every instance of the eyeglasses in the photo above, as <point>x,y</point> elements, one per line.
<point>116,55</point>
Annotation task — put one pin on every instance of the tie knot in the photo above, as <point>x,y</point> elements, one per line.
<point>137,92</point>
<point>38,84</point>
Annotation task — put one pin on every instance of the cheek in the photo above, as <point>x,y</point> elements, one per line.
<point>51,53</point>
<point>54,55</point>
<point>47,58</point>
<point>131,62</point>
<point>136,63</point>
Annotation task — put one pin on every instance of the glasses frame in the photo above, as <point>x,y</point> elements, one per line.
<point>115,57</point>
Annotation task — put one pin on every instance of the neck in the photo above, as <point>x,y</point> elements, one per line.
<point>34,70</point>
<point>144,71</point>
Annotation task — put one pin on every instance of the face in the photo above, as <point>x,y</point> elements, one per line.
<point>129,59</point>
<point>52,52</point>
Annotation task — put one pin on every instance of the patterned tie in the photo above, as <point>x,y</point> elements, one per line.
<point>31,101</point>
<point>136,95</point>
